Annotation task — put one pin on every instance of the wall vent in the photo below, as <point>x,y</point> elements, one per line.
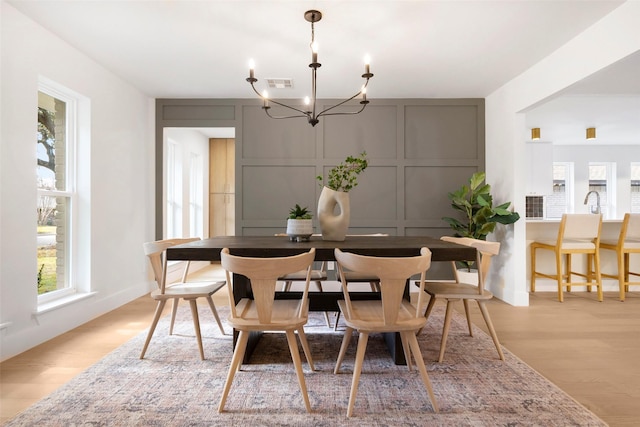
<point>285,83</point>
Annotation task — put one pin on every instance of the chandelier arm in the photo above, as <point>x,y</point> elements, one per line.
<point>266,110</point>
<point>304,113</point>
<point>346,113</point>
<point>324,112</point>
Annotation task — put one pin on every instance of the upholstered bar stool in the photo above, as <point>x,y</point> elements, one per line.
<point>578,234</point>
<point>628,243</point>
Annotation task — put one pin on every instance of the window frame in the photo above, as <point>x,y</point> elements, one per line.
<point>70,192</point>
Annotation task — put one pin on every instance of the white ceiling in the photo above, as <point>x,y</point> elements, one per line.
<point>418,49</point>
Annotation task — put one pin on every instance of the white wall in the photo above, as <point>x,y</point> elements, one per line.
<point>609,40</point>
<point>121,183</point>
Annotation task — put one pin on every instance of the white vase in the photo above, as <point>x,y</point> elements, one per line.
<point>299,229</point>
<point>333,224</point>
<point>470,277</point>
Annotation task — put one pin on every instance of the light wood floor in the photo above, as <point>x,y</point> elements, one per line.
<point>588,349</point>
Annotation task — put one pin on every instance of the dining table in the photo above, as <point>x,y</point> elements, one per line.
<point>278,246</point>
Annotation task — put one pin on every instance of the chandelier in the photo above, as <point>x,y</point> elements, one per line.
<point>311,113</point>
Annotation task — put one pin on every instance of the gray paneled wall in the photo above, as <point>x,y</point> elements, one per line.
<point>419,150</point>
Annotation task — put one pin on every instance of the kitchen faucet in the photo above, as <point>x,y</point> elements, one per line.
<point>597,208</point>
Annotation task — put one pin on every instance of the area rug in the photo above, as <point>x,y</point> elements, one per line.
<point>173,387</point>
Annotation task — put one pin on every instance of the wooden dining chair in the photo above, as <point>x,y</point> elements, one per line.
<point>465,292</point>
<point>360,277</point>
<point>188,291</point>
<point>264,312</point>
<point>628,243</point>
<point>390,314</point>
<point>579,234</point>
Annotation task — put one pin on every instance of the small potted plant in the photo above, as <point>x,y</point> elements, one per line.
<point>299,224</point>
<point>479,216</point>
<point>335,192</point>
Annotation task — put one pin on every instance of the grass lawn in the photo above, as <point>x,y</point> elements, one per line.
<point>46,262</point>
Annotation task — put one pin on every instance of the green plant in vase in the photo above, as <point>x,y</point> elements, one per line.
<point>335,193</point>
<point>345,176</point>
<point>479,216</point>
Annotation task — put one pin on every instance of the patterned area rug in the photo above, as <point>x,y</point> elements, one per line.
<point>173,387</point>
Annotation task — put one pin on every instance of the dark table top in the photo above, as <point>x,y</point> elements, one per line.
<point>272,246</point>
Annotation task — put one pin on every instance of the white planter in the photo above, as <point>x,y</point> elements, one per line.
<point>333,224</point>
<point>299,229</point>
<point>468,276</point>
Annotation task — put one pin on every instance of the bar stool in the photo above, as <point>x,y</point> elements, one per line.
<point>578,234</point>
<point>628,243</point>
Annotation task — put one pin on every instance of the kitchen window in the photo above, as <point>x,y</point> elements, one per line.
<point>561,200</point>
<point>602,179</point>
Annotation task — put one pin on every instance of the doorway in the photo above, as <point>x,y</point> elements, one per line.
<point>199,182</point>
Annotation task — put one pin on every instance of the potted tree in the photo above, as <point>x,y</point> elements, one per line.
<point>335,192</point>
<point>299,224</point>
<point>479,216</point>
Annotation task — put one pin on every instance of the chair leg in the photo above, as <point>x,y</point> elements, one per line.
<point>326,313</point>
<point>466,312</point>
<point>335,326</point>
<point>215,314</point>
<point>293,347</point>
<point>492,331</point>
<point>154,323</point>
<point>357,368</point>
<point>413,343</point>
<point>432,301</point>
<point>407,351</point>
<point>196,325</point>
<point>174,311</point>
<point>236,360</point>
<point>306,348</point>
<point>343,349</point>
<point>445,330</point>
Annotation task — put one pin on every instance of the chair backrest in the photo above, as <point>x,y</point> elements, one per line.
<point>263,274</point>
<point>393,274</point>
<point>630,228</point>
<point>580,226</point>
<point>484,252</point>
<point>155,251</point>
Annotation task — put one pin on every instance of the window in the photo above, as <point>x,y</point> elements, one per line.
<point>56,193</point>
<point>561,201</point>
<point>602,181</point>
<point>196,220</point>
<point>174,191</point>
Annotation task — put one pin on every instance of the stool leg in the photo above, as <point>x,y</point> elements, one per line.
<point>533,269</point>
<point>559,276</point>
<point>623,273</point>
<point>596,260</point>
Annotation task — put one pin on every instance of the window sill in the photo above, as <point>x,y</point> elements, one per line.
<point>62,302</point>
